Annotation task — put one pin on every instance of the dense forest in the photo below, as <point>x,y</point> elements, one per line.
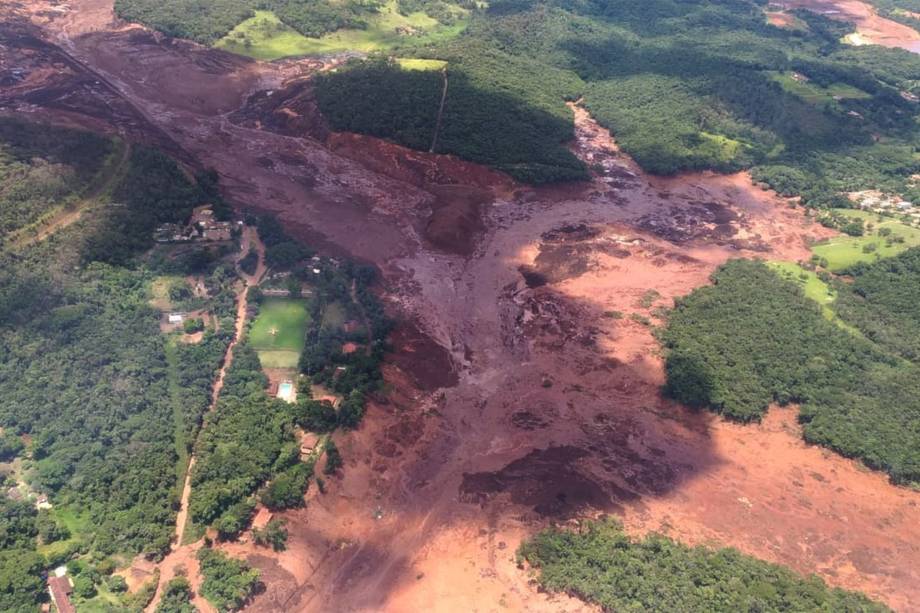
<point>600,563</point>
<point>208,22</point>
<point>98,404</point>
<point>682,85</point>
<point>752,339</point>
<point>883,300</point>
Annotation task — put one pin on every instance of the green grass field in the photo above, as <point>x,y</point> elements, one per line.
<point>407,63</point>
<point>814,289</point>
<point>265,37</point>
<point>846,251</point>
<point>277,334</point>
<point>815,94</point>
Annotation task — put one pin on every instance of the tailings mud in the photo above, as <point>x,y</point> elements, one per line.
<point>524,388</point>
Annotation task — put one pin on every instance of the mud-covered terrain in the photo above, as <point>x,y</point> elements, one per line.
<point>524,383</point>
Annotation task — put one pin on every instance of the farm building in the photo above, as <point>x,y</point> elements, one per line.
<point>175,318</point>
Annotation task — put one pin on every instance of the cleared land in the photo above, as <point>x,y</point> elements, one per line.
<point>278,332</point>
<point>265,37</point>
<point>816,94</point>
<point>843,252</point>
<point>419,64</point>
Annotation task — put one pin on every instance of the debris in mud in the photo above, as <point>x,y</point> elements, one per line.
<point>525,420</point>
<point>547,480</point>
<point>532,278</point>
<point>712,222</point>
<point>417,354</point>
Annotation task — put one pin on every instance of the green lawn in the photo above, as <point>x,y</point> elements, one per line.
<point>846,251</point>
<point>265,37</point>
<point>814,289</point>
<point>277,334</point>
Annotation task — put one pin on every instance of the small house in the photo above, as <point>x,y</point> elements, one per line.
<point>175,318</point>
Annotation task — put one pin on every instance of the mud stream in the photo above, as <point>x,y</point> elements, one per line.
<point>523,388</point>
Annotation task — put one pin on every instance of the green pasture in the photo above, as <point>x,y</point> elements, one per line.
<point>845,251</point>
<point>277,334</point>
<point>265,37</point>
<point>815,94</point>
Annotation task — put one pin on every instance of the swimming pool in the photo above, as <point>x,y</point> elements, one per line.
<point>286,391</point>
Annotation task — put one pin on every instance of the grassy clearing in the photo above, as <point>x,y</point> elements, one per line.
<point>418,64</point>
<point>815,94</point>
<point>846,251</point>
<point>278,332</point>
<point>333,316</point>
<point>76,523</point>
<point>814,289</point>
<point>159,291</point>
<point>265,37</point>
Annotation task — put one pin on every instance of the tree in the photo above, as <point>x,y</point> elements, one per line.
<point>286,490</point>
<point>228,582</point>
<point>273,535</point>
<point>83,586</point>
<point>333,458</point>
<point>177,596</point>
<point>352,410</point>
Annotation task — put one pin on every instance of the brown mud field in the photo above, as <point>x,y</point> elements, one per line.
<point>524,385</point>
<point>872,27</point>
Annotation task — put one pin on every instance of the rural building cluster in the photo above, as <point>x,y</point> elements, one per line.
<point>202,226</point>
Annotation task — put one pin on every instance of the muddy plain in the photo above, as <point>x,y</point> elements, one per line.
<point>523,387</point>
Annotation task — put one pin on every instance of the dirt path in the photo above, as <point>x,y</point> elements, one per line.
<point>183,555</point>
<point>437,124</point>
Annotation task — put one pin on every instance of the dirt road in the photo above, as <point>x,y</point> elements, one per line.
<point>183,555</point>
<point>524,384</point>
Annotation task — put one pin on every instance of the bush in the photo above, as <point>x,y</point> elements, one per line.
<point>273,535</point>
<point>228,583</point>
<point>333,458</point>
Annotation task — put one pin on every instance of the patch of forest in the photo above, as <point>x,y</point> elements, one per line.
<point>44,167</point>
<point>752,339</point>
<point>485,119</point>
<point>682,85</point>
<point>601,564</point>
<point>883,301</point>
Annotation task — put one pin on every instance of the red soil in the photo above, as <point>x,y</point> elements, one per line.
<point>875,28</point>
<point>512,399</point>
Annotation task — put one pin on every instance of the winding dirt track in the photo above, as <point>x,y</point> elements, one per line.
<point>515,395</point>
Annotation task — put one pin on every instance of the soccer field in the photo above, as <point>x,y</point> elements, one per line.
<point>278,332</point>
